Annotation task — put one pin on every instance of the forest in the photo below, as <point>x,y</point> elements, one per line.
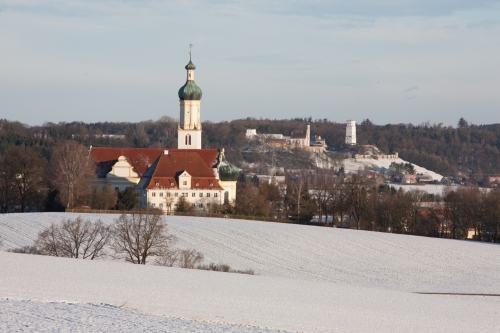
<point>468,149</point>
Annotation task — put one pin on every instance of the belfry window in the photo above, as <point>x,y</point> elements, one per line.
<point>188,140</point>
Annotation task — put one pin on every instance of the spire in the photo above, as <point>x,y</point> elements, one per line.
<point>190,65</point>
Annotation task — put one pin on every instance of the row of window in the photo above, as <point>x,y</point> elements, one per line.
<point>153,205</point>
<point>193,194</point>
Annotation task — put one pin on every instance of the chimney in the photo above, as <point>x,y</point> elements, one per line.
<point>165,152</point>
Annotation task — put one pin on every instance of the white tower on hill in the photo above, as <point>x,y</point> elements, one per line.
<point>350,133</point>
<point>189,129</point>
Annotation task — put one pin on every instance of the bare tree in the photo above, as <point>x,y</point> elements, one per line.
<point>71,167</point>
<point>358,197</point>
<point>23,171</point>
<point>167,257</point>
<point>190,258</point>
<point>75,239</point>
<point>141,235</point>
<point>48,241</point>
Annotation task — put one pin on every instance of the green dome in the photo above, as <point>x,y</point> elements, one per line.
<point>190,65</point>
<point>229,172</point>
<point>190,92</point>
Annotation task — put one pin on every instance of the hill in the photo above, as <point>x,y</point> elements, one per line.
<point>308,279</point>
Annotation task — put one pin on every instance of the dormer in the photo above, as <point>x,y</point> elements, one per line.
<point>184,180</point>
<point>122,168</point>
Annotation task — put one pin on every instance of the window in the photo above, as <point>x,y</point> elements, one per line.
<point>184,194</point>
<point>208,195</point>
<point>161,205</point>
<point>188,140</point>
<point>168,194</point>
<point>226,197</point>
<point>176,194</point>
<point>208,205</point>
<point>216,195</point>
<point>153,194</point>
<point>201,195</point>
<point>184,182</point>
<point>193,194</point>
<point>161,194</point>
<point>152,204</point>
<point>200,205</point>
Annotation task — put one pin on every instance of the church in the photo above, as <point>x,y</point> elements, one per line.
<point>161,176</point>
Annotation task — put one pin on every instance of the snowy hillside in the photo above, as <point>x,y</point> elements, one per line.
<point>353,165</point>
<point>314,253</point>
<point>310,279</point>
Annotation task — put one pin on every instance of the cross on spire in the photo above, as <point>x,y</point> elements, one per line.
<point>190,46</point>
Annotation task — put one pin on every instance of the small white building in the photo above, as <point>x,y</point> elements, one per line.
<point>350,135</point>
<point>250,134</point>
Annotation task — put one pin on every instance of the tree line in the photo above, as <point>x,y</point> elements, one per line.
<point>62,178</point>
<point>467,148</point>
<point>359,201</point>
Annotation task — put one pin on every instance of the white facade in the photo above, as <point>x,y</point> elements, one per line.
<point>200,199</point>
<point>250,134</point>
<point>121,176</point>
<point>350,135</point>
<point>188,139</point>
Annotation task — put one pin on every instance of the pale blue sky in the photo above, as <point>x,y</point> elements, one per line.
<point>392,61</point>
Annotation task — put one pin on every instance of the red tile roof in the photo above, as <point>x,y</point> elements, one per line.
<point>171,165</point>
<point>142,158</point>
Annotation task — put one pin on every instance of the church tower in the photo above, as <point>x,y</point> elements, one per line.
<point>189,129</point>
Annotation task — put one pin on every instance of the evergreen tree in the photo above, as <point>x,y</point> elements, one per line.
<point>127,199</point>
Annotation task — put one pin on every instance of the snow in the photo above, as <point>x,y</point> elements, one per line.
<point>36,316</point>
<point>310,279</point>
<point>429,188</point>
<point>383,164</point>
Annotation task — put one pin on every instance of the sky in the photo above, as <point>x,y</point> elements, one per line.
<point>390,61</point>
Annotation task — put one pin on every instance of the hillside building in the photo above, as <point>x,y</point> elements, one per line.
<point>295,140</point>
<point>350,135</point>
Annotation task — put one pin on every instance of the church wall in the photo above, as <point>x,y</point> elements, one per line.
<point>166,199</point>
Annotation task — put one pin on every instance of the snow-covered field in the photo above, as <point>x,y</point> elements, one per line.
<point>310,279</point>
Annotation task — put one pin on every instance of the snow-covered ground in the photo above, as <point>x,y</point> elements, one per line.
<point>309,279</point>
<point>50,316</point>
<point>383,164</point>
<point>429,188</point>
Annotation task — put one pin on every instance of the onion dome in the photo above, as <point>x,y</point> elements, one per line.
<point>190,92</point>
<point>190,66</point>
<point>227,171</point>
